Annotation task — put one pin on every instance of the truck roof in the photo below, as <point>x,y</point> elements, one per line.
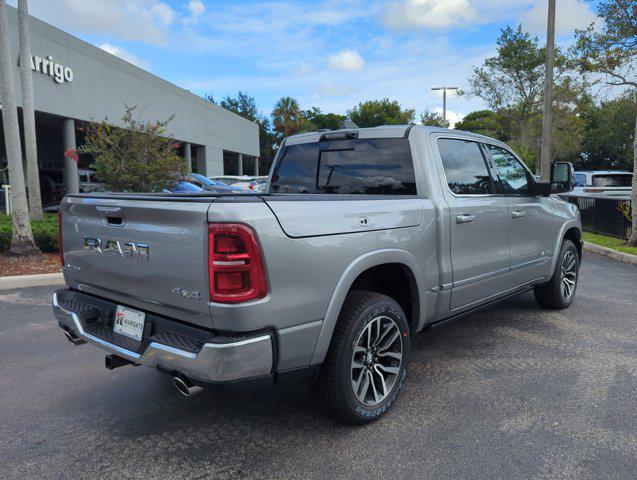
<point>383,131</point>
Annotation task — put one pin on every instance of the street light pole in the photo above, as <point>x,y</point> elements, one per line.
<point>444,101</point>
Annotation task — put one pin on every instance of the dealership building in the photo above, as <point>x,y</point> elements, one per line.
<point>76,83</point>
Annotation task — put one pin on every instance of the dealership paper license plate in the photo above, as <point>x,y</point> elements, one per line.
<point>129,322</point>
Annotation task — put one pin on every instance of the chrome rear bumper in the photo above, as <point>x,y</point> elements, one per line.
<point>214,362</point>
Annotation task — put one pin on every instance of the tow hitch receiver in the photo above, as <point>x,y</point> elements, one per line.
<point>113,361</point>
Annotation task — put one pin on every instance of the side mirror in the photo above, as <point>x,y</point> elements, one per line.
<point>562,177</point>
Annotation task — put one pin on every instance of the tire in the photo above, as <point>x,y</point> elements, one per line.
<point>383,360</point>
<point>559,292</point>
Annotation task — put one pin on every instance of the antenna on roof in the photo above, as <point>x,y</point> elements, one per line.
<point>347,123</point>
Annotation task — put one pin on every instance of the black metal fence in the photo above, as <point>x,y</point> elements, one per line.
<point>602,215</point>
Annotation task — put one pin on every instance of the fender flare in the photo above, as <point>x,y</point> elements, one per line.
<point>353,270</point>
<point>558,240</point>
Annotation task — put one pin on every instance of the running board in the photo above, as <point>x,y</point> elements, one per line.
<point>478,308</point>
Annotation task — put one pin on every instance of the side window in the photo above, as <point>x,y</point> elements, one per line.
<point>374,166</point>
<point>465,168</point>
<point>514,178</point>
<point>296,171</point>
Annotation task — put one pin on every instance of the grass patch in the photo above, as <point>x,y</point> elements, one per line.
<point>45,233</point>
<point>610,242</point>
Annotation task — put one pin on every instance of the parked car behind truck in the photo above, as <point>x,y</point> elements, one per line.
<point>364,238</point>
<point>603,182</point>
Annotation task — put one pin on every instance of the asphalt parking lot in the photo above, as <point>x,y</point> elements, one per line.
<point>512,392</point>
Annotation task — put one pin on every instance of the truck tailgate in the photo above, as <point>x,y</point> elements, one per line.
<point>149,254</point>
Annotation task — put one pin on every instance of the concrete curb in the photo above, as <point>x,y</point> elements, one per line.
<point>609,252</point>
<point>25,281</point>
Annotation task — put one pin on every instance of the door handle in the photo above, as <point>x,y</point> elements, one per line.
<point>518,214</point>
<point>465,218</point>
<point>109,210</point>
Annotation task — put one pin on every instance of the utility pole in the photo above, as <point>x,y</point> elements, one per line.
<point>444,101</point>
<point>547,118</point>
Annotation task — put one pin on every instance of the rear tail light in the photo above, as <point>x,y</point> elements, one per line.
<point>60,237</point>
<point>237,273</point>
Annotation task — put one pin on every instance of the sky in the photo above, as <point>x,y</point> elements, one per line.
<point>331,54</point>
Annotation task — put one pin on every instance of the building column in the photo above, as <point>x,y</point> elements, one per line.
<point>256,166</point>
<point>200,157</point>
<point>71,175</point>
<point>187,157</point>
<point>240,164</point>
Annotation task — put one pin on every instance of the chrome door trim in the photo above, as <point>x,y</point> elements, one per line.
<point>478,278</point>
<point>531,263</point>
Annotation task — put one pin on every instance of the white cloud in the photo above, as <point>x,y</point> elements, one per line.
<point>140,20</point>
<point>428,13</point>
<point>569,15</point>
<point>448,14</point>
<point>346,61</point>
<point>124,55</point>
<point>163,13</point>
<point>196,7</point>
<point>452,117</point>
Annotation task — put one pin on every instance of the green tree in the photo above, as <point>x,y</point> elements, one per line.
<point>246,106</point>
<point>321,121</point>
<point>609,132</point>
<point>288,118</point>
<point>140,157</point>
<point>373,113</point>
<point>611,50</point>
<point>483,122</point>
<point>433,119</point>
<point>512,85</point>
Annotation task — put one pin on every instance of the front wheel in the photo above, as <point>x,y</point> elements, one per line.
<point>558,293</point>
<point>367,362</point>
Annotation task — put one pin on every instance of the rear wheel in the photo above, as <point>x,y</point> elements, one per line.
<point>366,365</point>
<point>558,293</point>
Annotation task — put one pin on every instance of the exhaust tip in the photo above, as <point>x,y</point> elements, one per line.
<point>186,388</point>
<point>71,337</point>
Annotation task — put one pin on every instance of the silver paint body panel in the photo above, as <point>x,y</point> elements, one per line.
<point>315,248</point>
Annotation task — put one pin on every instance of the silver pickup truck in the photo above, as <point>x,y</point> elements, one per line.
<point>363,238</point>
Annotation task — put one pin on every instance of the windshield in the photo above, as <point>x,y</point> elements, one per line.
<point>612,180</point>
<point>201,179</point>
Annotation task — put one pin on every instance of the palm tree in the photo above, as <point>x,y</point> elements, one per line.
<point>287,117</point>
<point>28,112</point>
<point>22,242</point>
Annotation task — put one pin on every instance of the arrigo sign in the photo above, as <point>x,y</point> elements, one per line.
<point>47,66</point>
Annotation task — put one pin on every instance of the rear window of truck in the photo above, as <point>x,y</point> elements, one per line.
<point>373,166</point>
<point>610,180</point>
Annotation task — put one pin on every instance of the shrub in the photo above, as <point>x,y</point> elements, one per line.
<point>142,157</point>
<point>45,233</point>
